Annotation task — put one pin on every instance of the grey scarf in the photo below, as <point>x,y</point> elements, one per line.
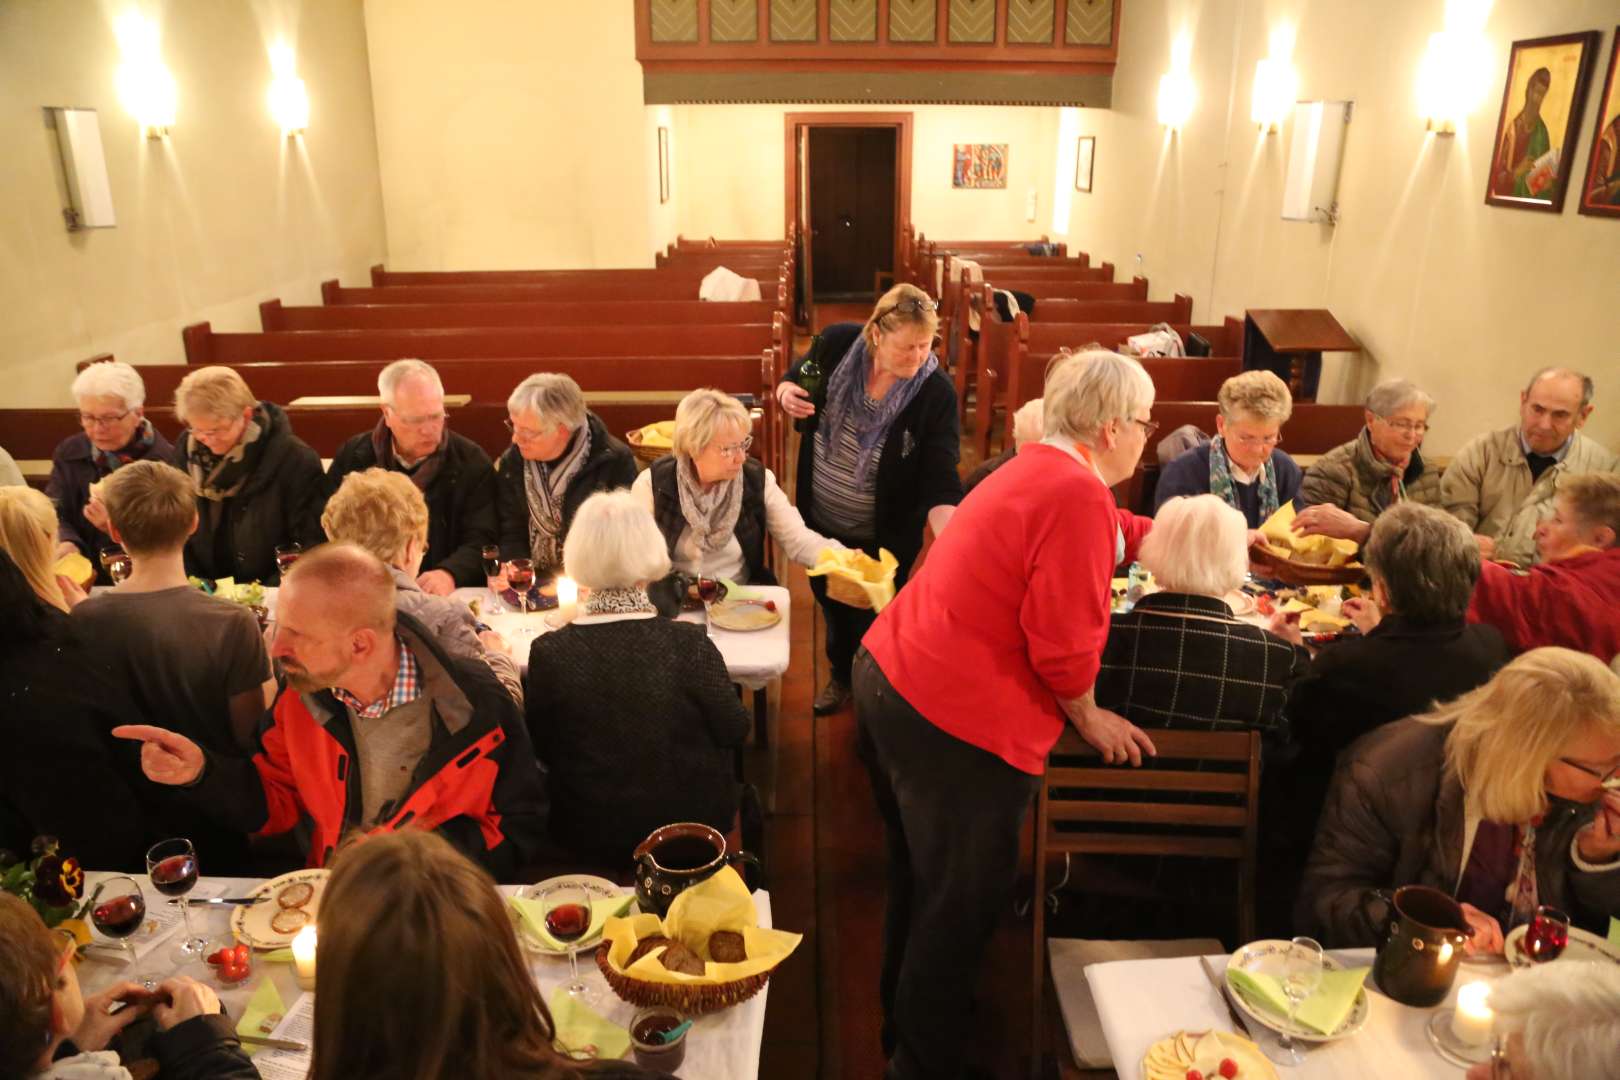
<point>544,485</point>
<point>710,511</point>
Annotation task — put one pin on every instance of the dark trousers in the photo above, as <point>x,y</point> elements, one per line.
<point>952,814</point>
<point>845,625</point>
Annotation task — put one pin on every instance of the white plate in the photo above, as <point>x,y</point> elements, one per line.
<point>1245,959</point>
<point>1583,945</point>
<point>251,923</point>
<point>599,887</point>
<point>742,615</point>
<point>1240,602</point>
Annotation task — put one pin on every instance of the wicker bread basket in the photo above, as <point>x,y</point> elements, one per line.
<point>645,455</point>
<point>694,1000</point>
<point>846,591</point>
<point>1298,573</point>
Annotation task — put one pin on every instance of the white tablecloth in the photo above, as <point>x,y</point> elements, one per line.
<point>720,1046</point>
<point>753,658</point>
<point>1141,1001</point>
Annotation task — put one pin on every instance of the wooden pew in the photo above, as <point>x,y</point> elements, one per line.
<point>746,263</point>
<point>915,250</point>
<point>687,243</point>
<point>275,316</point>
<point>1175,379</point>
<point>617,281</point>
<point>672,286</point>
<point>1178,310</point>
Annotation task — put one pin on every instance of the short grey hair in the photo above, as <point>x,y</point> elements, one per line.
<point>1197,545</point>
<point>555,399</point>
<point>112,378</point>
<point>614,543</point>
<point>701,415</point>
<point>1587,386</point>
<point>1427,560</point>
<point>1569,1015</point>
<point>1260,394</point>
<point>1393,395</point>
<point>390,377</point>
<point>1087,390</point>
<point>1029,422</point>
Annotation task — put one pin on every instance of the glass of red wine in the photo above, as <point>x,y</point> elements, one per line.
<point>119,911</point>
<point>567,911</point>
<point>109,554</point>
<point>119,567</point>
<point>286,555</point>
<point>491,554</point>
<point>1547,935</point>
<point>520,575</point>
<point>172,866</point>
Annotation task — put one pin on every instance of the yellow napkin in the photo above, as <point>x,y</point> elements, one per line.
<point>265,1002</point>
<point>875,577</point>
<point>533,915</point>
<point>1310,615</point>
<point>276,956</point>
<point>1283,542</point>
<point>661,434</point>
<point>1323,1011</point>
<point>581,1031</point>
<point>1614,932</point>
<point>720,903</point>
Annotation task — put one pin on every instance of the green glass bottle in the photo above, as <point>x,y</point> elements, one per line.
<point>810,378</point>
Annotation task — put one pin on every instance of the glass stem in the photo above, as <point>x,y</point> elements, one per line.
<point>185,919</point>
<point>573,966</point>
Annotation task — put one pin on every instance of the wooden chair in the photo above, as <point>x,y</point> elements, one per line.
<point>1075,794</point>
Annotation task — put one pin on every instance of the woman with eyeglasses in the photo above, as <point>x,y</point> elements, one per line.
<point>561,454</point>
<point>714,504</point>
<point>1244,464</point>
<point>1497,798</point>
<point>1349,486</point>
<point>259,486</point>
<point>878,462</point>
<point>112,411</point>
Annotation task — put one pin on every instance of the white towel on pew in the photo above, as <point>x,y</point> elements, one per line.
<point>724,286</point>
<point>953,272</point>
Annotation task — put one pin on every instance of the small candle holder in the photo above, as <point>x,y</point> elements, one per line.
<point>303,950</point>
<point>567,604</point>
<point>1463,1034</point>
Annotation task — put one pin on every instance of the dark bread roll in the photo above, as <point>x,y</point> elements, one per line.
<point>726,947</point>
<point>678,957</point>
<point>645,946</point>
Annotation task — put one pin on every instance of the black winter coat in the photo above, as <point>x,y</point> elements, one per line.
<point>280,503</point>
<point>610,465</point>
<point>460,500</point>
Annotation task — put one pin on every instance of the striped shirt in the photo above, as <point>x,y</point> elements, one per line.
<point>845,504</point>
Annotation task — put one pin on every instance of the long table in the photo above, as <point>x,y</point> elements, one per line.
<point>721,1046</point>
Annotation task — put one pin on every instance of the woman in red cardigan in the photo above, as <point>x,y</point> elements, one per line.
<point>965,681</point>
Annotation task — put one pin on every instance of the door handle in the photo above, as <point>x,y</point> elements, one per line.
<point>846,221</point>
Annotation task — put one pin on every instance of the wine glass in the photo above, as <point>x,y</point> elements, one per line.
<point>520,575</point>
<point>567,911</point>
<point>119,567</point>
<point>172,866</point>
<point>491,554</point>
<point>1547,936</point>
<point>286,555</point>
<point>108,554</point>
<point>1300,972</point>
<point>119,910</point>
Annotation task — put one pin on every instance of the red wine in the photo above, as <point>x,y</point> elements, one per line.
<point>285,560</point>
<point>121,916</point>
<point>708,590</point>
<point>175,875</point>
<point>1546,939</point>
<point>492,568</point>
<point>520,579</point>
<point>568,922</point>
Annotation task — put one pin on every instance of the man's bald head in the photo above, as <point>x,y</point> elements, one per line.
<point>1553,407</point>
<point>346,586</point>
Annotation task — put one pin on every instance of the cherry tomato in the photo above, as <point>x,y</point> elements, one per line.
<point>218,958</point>
<point>1228,1068</point>
<point>240,954</point>
<point>1194,1074</point>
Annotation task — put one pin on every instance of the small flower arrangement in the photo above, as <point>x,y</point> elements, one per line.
<point>50,881</point>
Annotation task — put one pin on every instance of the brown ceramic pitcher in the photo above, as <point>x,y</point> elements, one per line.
<point>675,857</point>
<point>1423,937</point>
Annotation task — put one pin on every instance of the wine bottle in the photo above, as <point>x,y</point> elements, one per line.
<point>810,377</point>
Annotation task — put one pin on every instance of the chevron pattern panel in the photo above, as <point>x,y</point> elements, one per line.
<point>733,21</point>
<point>1029,22</point>
<point>793,20</point>
<point>973,22</point>
<point>912,20</point>
<point>1091,22</point>
<point>852,20</point>
<point>674,20</point>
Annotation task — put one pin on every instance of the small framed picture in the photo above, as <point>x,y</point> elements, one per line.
<point>1601,193</point>
<point>663,165</point>
<point>1534,151</point>
<point>1084,158</point>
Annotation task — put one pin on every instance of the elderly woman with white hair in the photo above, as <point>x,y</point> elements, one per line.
<point>561,454</point>
<point>1555,1022</point>
<point>112,410</point>
<point>714,504</point>
<point>634,716</point>
<point>1244,464</point>
<point>1026,429</point>
<point>1180,658</point>
<point>966,679</point>
<point>1346,489</point>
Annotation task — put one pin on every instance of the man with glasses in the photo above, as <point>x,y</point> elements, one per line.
<point>452,472</point>
<point>111,399</point>
<point>1502,484</point>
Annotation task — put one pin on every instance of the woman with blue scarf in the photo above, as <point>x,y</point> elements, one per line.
<point>1244,463</point>
<point>879,461</point>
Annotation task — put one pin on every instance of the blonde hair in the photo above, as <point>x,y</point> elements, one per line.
<point>886,319</point>
<point>1260,394</point>
<point>152,505</point>
<point>700,416</point>
<point>1087,390</point>
<point>217,393</point>
<point>1029,422</point>
<point>28,534</point>
<point>1197,546</point>
<point>1506,734</point>
<point>378,510</point>
<point>614,543</point>
<point>1594,498</point>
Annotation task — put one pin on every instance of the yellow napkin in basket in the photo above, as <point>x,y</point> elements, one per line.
<point>533,915</point>
<point>661,434</point>
<point>720,903</point>
<point>875,577</point>
<point>1323,1011</point>
<point>1283,542</point>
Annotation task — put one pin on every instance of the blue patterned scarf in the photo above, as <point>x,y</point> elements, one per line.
<point>1221,482</point>
<point>847,404</point>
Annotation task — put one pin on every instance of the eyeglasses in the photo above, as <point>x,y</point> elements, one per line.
<point>911,305</point>
<point>424,421</point>
<point>1602,777</point>
<point>526,434</point>
<point>212,433</point>
<point>1148,427</point>
<point>1267,441</point>
<point>737,449</point>
<point>1406,427</point>
<point>86,420</point>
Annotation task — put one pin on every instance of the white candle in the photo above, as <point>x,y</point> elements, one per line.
<point>303,950</point>
<point>1472,1021</point>
<point>567,599</point>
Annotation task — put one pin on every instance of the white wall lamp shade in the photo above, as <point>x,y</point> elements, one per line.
<point>84,168</point>
<point>1274,90</point>
<point>144,85</point>
<point>288,99</point>
<point>1176,97</point>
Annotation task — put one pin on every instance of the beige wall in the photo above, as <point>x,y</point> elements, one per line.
<point>1465,298</point>
<point>219,216</point>
<point>512,135</point>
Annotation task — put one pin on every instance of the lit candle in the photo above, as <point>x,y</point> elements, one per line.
<point>1472,1021</point>
<point>303,950</point>
<point>567,599</point>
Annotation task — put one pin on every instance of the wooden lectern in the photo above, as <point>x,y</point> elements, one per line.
<point>1290,342</point>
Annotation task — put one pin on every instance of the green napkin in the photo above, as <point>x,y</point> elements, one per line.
<point>266,1001</point>
<point>581,1031</point>
<point>1323,1011</point>
<point>533,914</point>
<point>276,956</point>
<point>735,591</point>
<point>1614,932</point>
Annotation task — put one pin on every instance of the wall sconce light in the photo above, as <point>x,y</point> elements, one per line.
<point>144,84</point>
<point>289,101</point>
<point>1176,91</point>
<point>1274,92</point>
<point>1451,79</point>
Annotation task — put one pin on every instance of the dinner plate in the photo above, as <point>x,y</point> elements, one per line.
<point>599,887</point>
<point>1583,945</point>
<point>743,615</point>
<point>1240,602</point>
<point>1256,952</point>
<point>251,922</point>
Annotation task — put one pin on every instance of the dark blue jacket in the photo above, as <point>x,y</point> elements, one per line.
<point>1189,475</point>
<point>73,470</point>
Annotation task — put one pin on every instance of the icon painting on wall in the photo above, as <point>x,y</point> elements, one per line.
<point>1540,120</point>
<point>980,165</point>
<point>1601,192</point>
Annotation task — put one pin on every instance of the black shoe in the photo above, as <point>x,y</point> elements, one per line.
<point>833,698</point>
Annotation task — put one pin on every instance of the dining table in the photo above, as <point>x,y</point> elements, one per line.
<point>724,1045</point>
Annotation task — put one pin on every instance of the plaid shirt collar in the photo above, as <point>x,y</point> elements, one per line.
<point>406,689</point>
